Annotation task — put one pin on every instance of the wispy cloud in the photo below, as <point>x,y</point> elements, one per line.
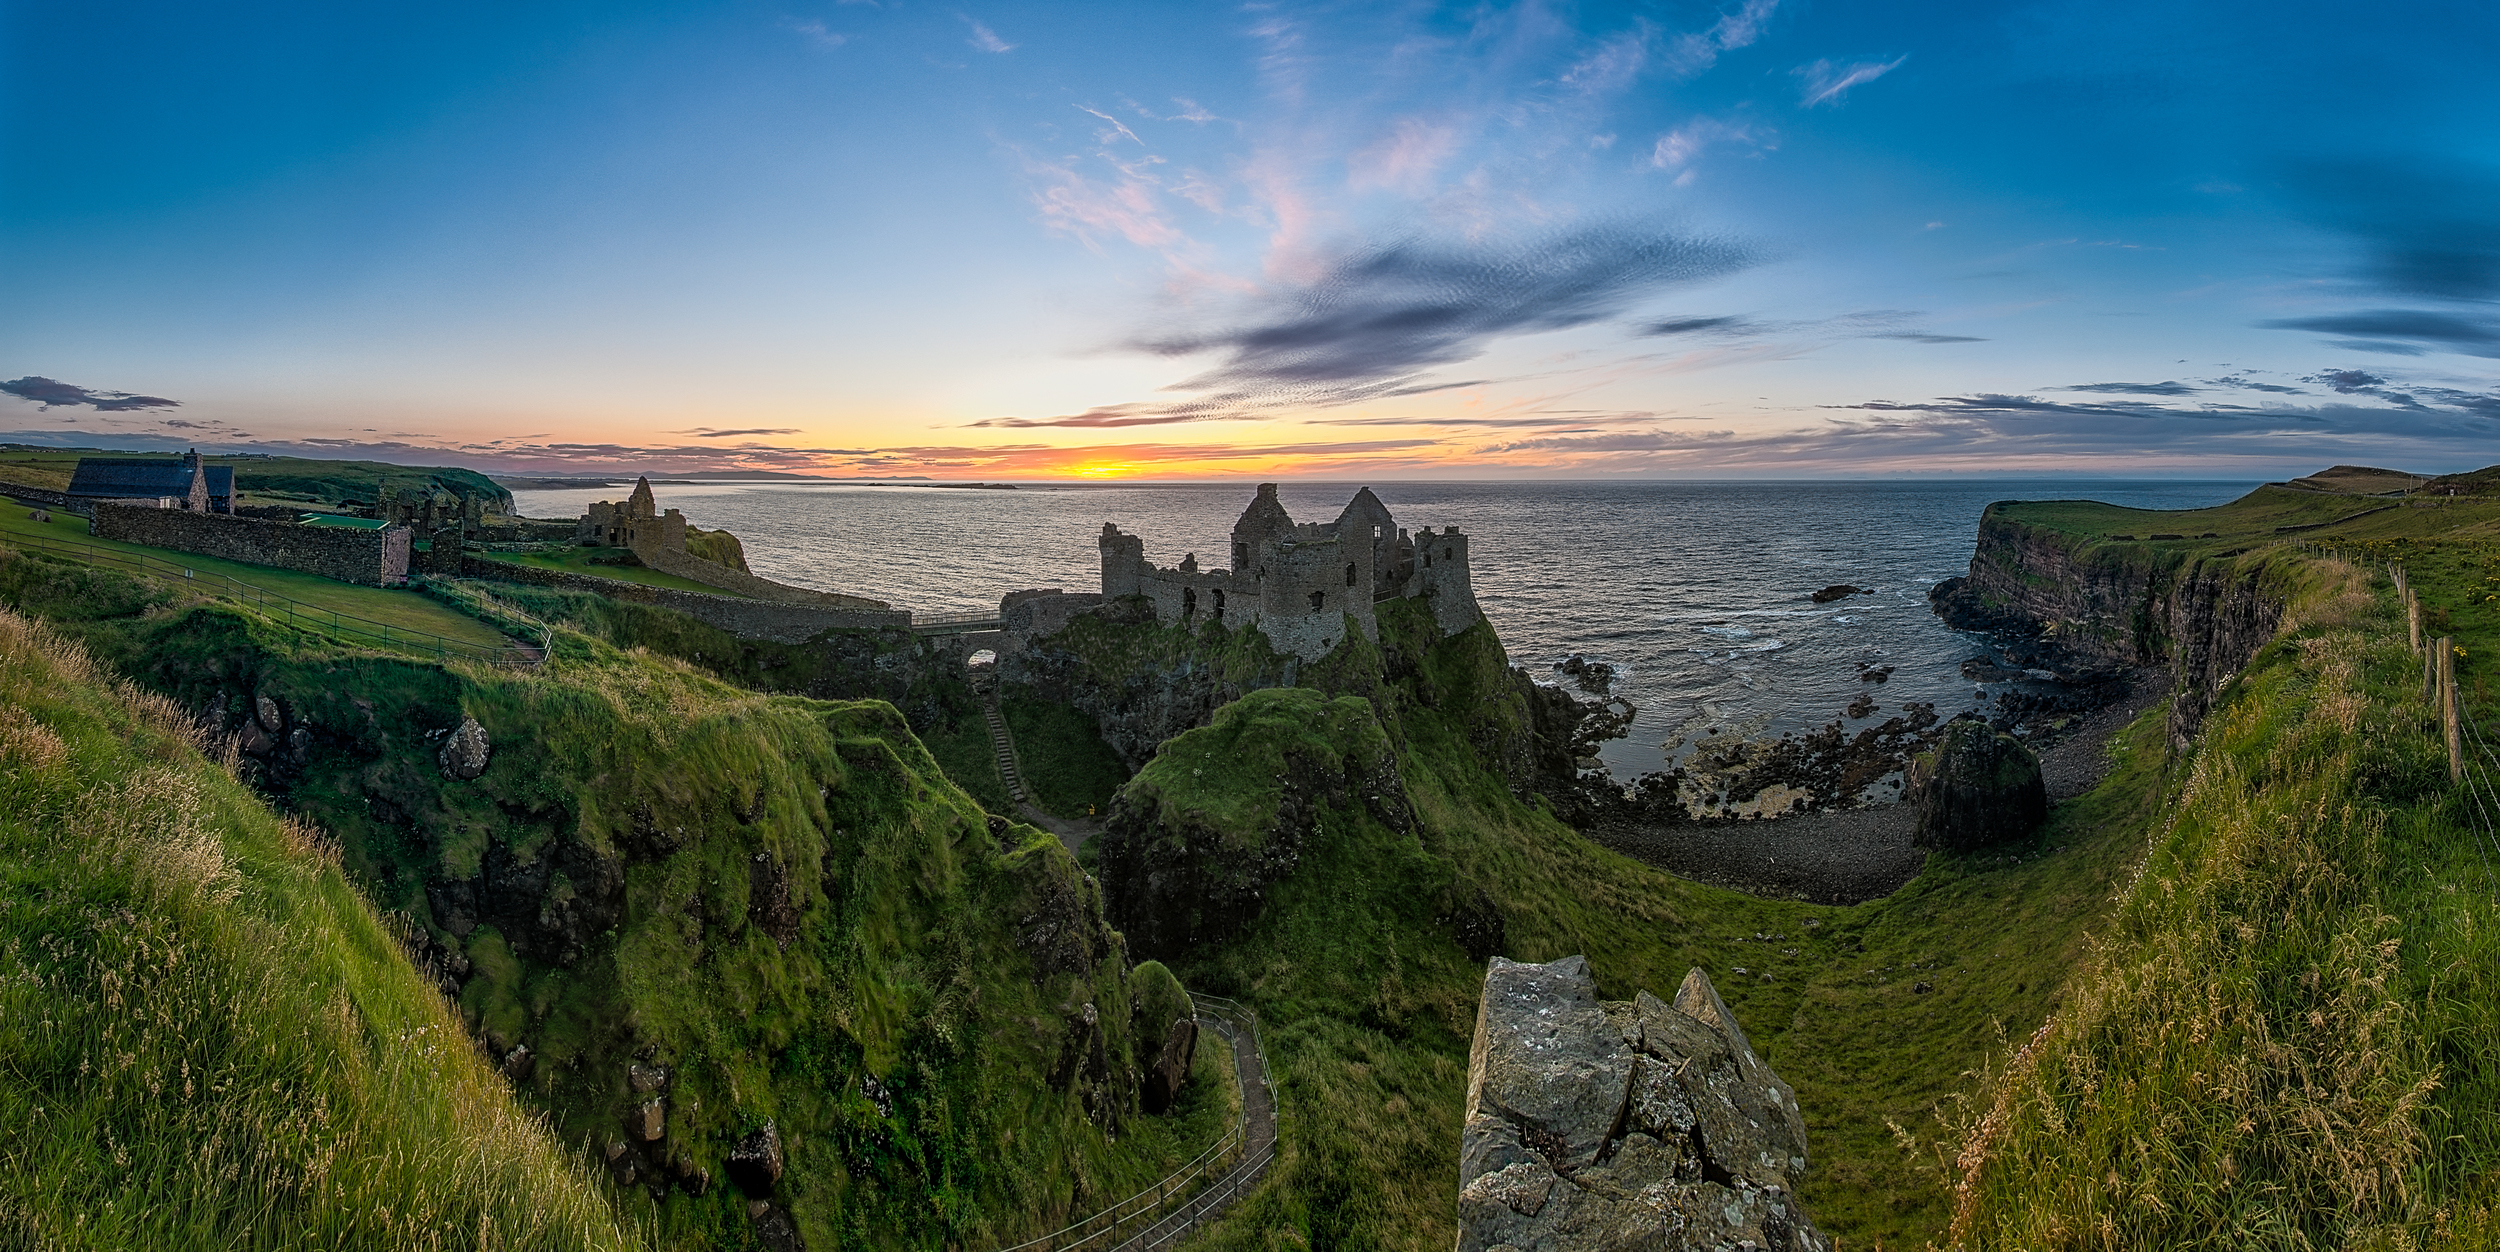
<point>705,432</point>
<point>2137,389</point>
<point>1118,127</point>
<point>1403,160</point>
<point>1678,150</point>
<point>52,394</point>
<point>1691,54</point>
<point>985,39</point>
<point>1826,81</point>
<point>815,32</point>
<point>1373,318</point>
<point>2404,332</point>
<point>1864,324</point>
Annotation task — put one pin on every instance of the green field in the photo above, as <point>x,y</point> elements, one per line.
<point>578,561</point>
<point>400,610</point>
<point>275,479</point>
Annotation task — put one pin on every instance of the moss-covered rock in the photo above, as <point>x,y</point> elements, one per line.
<point>1223,811</point>
<point>1976,788</point>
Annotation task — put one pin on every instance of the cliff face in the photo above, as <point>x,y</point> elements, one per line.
<point>2085,608</point>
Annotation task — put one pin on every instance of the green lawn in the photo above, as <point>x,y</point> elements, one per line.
<point>399,610</point>
<point>577,561</point>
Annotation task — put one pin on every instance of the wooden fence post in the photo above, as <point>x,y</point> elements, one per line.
<point>2448,709</point>
<point>2413,619</point>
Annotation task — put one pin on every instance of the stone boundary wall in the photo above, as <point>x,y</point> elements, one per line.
<point>696,569</point>
<point>373,558</point>
<point>747,619</point>
<point>44,497</point>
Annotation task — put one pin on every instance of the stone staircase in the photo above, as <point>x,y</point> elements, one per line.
<point>1006,750</point>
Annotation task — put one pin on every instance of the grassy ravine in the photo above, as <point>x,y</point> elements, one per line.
<point>942,960</point>
<point>1369,997</point>
<point>2289,1034</point>
<point>207,1037</point>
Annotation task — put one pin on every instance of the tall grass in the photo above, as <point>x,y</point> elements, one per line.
<point>207,1038</point>
<point>2289,1034</point>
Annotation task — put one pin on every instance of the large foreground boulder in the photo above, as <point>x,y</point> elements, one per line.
<point>1979,787</point>
<point>1595,1126</point>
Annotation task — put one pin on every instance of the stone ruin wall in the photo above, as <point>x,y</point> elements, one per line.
<point>747,619</point>
<point>1304,585</point>
<point>373,558</point>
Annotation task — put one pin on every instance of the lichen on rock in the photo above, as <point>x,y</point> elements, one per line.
<point>1594,1126</point>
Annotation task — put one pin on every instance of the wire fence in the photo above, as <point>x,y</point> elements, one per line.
<point>296,612</point>
<point>1202,1189</point>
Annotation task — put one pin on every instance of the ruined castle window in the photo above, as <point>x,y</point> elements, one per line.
<point>1445,554</point>
<point>1241,555</point>
<point>1349,573</point>
<point>1318,598</point>
<point>1189,604</point>
<point>1219,604</point>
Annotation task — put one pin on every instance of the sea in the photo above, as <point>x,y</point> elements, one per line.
<point>1697,593</point>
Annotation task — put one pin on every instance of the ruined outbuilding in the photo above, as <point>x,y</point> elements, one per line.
<point>637,524</point>
<point>1304,584</point>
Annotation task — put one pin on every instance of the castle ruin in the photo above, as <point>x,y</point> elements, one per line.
<point>636,525</point>
<point>1306,584</point>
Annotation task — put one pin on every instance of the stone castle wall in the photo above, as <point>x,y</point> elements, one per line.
<point>1306,586</point>
<point>747,619</point>
<point>374,558</point>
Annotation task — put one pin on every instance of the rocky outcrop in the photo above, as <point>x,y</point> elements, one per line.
<point>465,751</point>
<point>755,1164</point>
<point>1978,787</point>
<point>1171,1068</point>
<point>1194,842</point>
<point>1595,1126</point>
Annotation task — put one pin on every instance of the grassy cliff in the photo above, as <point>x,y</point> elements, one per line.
<point>676,910</point>
<point>208,1038</point>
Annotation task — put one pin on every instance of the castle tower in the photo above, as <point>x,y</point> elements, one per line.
<point>1366,519</point>
<point>1442,576</point>
<point>1123,562</point>
<point>640,506</point>
<point>1264,520</point>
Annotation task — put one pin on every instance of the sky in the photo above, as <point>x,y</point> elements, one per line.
<point>1762,238</point>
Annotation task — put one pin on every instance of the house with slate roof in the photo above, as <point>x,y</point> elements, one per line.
<point>183,484</point>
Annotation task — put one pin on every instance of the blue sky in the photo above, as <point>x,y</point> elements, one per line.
<point>1764,237</point>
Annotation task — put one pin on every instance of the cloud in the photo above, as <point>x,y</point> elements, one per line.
<point>706,433</point>
<point>1865,324</point>
<point>51,394</point>
<point>1678,149</point>
<point>2424,230</point>
<point>985,39</point>
<point>1403,160</point>
<point>1691,54</point>
<point>2138,389</point>
<point>815,33</point>
<point>1129,205</point>
<point>2405,332</point>
<point>1118,128</point>
<point>1724,326</point>
<point>1191,111</point>
<point>1825,82</point>
<point>1369,320</point>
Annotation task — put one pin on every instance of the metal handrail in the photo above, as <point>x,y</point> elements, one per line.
<point>1194,1205</point>
<point>299,612</point>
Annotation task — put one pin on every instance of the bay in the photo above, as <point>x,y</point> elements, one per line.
<point>1697,592</point>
